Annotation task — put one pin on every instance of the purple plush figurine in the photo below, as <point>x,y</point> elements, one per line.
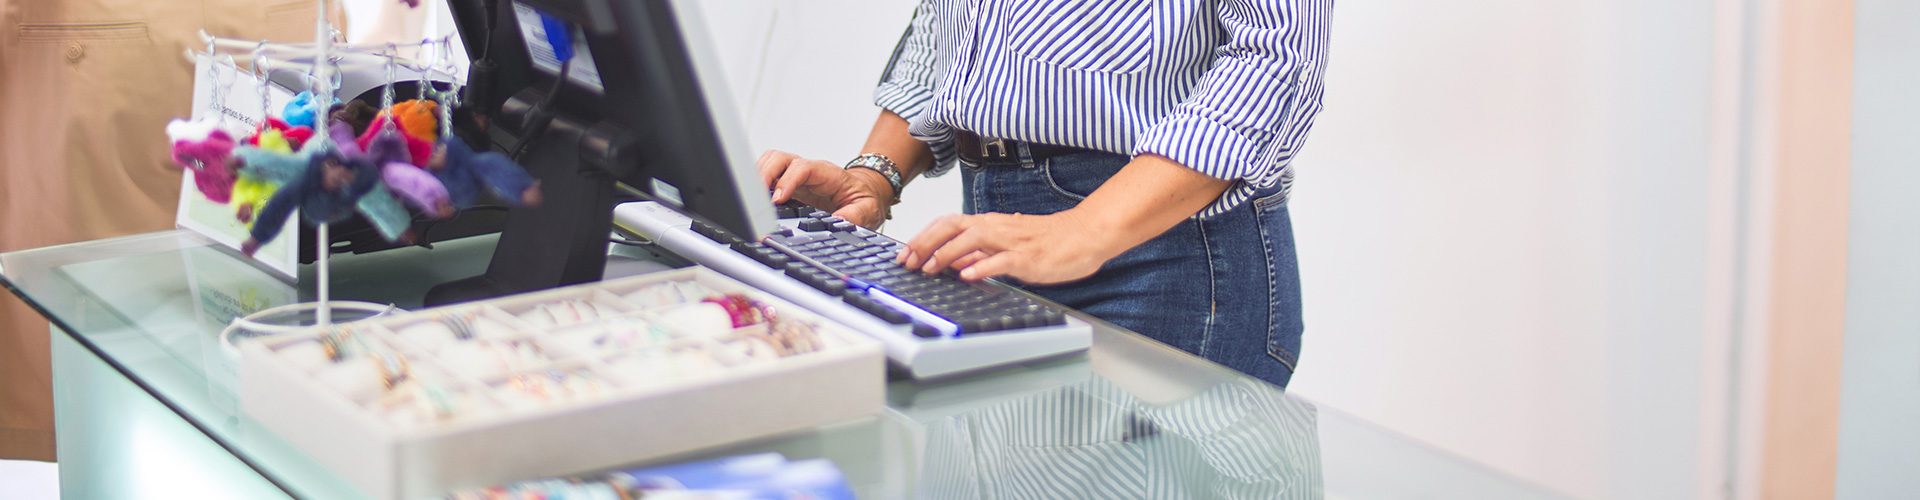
<point>418,187</point>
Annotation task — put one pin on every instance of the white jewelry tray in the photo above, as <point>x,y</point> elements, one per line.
<point>626,423</point>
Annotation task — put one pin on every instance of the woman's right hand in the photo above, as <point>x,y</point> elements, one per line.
<point>859,195</point>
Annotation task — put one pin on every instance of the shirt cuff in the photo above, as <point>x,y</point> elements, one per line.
<point>1217,150</point>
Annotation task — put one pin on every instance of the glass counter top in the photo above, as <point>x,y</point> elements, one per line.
<point>1131,418</point>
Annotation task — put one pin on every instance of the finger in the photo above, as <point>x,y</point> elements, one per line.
<point>969,259</point>
<point>974,239</point>
<point>999,264</point>
<point>772,163</point>
<point>933,237</point>
<point>859,213</point>
<point>790,181</point>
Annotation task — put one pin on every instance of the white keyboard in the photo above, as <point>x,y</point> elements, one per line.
<point>932,326</point>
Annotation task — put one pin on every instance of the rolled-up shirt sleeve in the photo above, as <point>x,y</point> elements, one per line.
<point>1250,112</point>
<point>907,86</point>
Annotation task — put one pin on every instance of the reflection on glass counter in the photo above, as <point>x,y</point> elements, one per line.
<point>1132,418</point>
<point>1239,440</point>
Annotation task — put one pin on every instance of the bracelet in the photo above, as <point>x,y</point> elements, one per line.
<point>887,168</point>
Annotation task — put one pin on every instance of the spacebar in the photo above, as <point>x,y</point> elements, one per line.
<point>920,315</point>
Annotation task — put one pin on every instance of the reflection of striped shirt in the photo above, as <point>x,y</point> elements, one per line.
<point>1226,87</point>
<point>1093,440</point>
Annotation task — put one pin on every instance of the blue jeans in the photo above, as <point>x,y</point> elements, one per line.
<point>1226,287</point>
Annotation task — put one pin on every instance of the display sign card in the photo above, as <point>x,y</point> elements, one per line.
<point>240,111</point>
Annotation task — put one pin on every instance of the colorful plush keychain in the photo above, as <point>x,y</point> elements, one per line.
<point>304,110</point>
<point>466,173</point>
<point>412,184</point>
<point>202,148</point>
<point>364,160</point>
<point>328,180</point>
<point>327,191</point>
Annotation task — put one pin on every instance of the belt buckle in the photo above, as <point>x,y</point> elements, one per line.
<point>987,146</point>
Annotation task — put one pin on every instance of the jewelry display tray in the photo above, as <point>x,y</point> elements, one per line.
<point>624,424</point>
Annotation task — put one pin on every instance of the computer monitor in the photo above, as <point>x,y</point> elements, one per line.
<point>644,105</point>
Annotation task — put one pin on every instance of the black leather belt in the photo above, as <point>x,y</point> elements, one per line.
<point>975,149</point>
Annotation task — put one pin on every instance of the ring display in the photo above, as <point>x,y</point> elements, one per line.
<point>576,366</point>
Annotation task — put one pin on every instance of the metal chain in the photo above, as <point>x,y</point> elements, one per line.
<point>218,92</point>
<point>424,70</point>
<point>451,97</point>
<point>261,70</point>
<point>386,95</point>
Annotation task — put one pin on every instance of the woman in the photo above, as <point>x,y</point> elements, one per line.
<point>1128,158</point>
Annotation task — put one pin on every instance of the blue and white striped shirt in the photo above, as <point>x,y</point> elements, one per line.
<point>1226,87</point>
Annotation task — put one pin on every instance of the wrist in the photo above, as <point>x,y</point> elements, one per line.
<point>873,183</point>
<point>1101,233</point>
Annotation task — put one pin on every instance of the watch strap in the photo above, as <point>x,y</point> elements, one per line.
<point>881,163</point>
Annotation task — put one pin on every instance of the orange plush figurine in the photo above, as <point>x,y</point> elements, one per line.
<point>419,118</point>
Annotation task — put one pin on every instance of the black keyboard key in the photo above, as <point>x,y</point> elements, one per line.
<point>859,301</point>
<point>811,224</point>
<point>925,331</point>
<point>828,284</point>
<point>715,233</point>
<point>1032,320</point>
<point>792,210</point>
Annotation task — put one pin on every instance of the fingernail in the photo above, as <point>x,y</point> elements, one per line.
<point>968,274</point>
<point>779,193</point>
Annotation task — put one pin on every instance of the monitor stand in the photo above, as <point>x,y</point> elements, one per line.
<point>561,242</point>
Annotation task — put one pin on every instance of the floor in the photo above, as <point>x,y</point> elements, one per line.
<point>26,480</point>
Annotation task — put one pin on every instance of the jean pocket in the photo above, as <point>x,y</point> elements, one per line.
<point>1075,176</point>
<point>1106,36</point>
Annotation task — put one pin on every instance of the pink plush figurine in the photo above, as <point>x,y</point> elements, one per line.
<point>201,147</point>
<point>419,149</point>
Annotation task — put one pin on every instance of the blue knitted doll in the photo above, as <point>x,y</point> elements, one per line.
<point>330,189</point>
<point>466,173</point>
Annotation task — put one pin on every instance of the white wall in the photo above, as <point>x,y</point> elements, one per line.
<point>1503,219</point>
<point>803,73</point>
<point>1502,215</point>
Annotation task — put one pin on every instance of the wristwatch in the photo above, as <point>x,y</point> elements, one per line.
<point>881,163</point>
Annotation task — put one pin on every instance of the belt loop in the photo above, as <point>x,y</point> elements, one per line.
<point>1026,155</point>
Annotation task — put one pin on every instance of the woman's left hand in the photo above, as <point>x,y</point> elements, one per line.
<point>1037,249</point>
